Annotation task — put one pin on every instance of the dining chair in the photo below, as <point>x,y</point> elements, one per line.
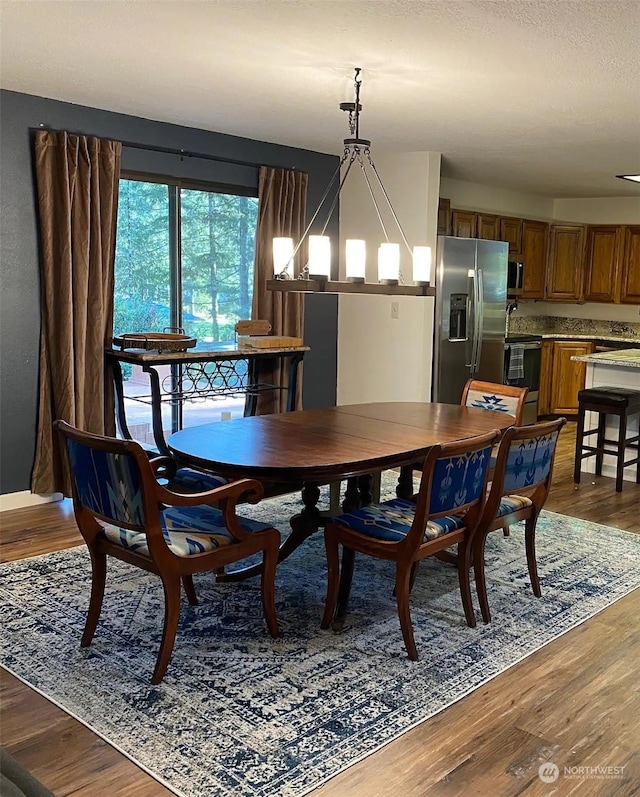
<point>495,397</point>
<point>524,464</point>
<point>445,511</point>
<point>123,511</point>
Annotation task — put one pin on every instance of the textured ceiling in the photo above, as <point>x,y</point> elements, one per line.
<point>538,96</point>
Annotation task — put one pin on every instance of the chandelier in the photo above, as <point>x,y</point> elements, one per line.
<point>316,273</point>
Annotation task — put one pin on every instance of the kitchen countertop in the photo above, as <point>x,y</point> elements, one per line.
<point>584,336</point>
<point>626,358</point>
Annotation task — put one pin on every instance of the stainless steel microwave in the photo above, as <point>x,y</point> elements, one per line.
<point>515,275</point>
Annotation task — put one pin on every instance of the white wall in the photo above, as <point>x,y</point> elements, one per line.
<point>475,196</point>
<point>381,358</point>
<point>606,210</point>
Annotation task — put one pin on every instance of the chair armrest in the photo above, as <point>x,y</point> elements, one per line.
<point>163,467</point>
<point>228,495</point>
<point>251,489</point>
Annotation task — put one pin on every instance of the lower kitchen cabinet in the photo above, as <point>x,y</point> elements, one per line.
<point>567,376</point>
<point>546,366</point>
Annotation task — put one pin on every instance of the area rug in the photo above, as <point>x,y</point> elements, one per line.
<point>241,715</point>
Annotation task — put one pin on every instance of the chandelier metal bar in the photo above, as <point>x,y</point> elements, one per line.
<point>315,215</point>
<point>342,182</point>
<point>373,196</point>
<point>393,213</point>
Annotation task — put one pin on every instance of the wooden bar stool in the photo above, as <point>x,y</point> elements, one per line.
<point>621,401</point>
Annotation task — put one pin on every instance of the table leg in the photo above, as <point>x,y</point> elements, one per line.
<point>405,482</point>
<point>351,495</point>
<point>302,526</point>
<point>156,410</point>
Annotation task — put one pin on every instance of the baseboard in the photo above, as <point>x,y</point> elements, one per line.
<point>26,498</point>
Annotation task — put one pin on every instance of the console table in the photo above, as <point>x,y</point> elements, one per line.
<point>224,370</point>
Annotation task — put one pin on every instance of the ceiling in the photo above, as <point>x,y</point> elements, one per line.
<point>541,96</point>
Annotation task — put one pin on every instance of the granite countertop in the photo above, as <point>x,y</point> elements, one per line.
<point>583,336</point>
<point>627,358</point>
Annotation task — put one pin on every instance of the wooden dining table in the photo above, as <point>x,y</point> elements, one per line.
<point>320,446</point>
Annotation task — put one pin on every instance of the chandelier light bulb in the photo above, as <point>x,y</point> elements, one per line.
<point>319,257</point>
<point>356,258</point>
<point>421,265</point>
<point>389,263</point>
<point>283,258</point>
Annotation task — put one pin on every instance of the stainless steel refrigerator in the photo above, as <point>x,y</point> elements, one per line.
<point>470,314</point>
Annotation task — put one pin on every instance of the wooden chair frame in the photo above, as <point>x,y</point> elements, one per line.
<point>500,390</point>
<point>171,569</point>
<point>537,492</point>
<point>408,552</point>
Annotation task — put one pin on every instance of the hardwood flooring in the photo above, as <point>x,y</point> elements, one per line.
<point>574,702</point>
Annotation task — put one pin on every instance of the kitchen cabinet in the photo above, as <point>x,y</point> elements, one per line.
<point>444,216</point>
<point>463,223</point>
<point>546,363</point>
<point>535,248</point>
<point>630,266</point>
<point>511,231</point>
<point>602,263</point>
<point>566,263</point>
<point>488,227</point>
<point>567,377</point>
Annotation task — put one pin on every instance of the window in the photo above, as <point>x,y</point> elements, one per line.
<point>184,260</point>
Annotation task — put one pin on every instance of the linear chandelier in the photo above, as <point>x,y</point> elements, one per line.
<point>316,273</point>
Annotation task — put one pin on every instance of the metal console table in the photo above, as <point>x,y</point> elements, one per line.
<point>222,371</point>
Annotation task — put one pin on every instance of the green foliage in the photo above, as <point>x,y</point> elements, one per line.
<point>218,240</point>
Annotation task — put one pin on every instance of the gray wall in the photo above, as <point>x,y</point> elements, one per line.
<point>19,270</point>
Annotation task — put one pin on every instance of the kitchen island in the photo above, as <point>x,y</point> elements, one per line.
<point>611,369</point>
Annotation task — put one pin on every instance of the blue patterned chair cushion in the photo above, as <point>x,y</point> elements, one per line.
<point>490,401</point>
<point>529,461</point>
<point>458,480</point>
<point>390,521</point>
<point>513,503</point>
<point>188,480</point>
<point>187,531</point>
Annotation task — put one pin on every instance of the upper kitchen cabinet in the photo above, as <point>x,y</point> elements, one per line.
<point>602,263</point>
<point>511,231</point>
<point>444,216</point>
<point>535,247</point>
<point>566,263</point>
<point>463,223</point>
<point>488,227</point>
<point>630,267</point>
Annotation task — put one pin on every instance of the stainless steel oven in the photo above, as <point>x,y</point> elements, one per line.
<point>522,355</point>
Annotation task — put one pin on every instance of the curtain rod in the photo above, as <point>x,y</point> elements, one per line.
<point>183,153</point>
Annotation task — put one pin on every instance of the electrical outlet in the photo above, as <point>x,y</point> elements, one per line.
<point>395,309</point>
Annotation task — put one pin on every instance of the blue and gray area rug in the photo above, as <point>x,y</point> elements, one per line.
<point>241,715</point>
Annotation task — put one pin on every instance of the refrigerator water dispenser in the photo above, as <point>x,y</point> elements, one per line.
<point>458,316</point>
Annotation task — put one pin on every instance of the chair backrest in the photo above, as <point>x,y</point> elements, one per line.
<point>495,397</point>
<point>525,457</point>
<point>111,478</point>
<point>454,479</point>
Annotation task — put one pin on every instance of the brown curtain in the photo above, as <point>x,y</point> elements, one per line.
<point>77,183</point>
<point>282,209</point>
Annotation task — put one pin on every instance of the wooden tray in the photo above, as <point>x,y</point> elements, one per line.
<point>155,341</point>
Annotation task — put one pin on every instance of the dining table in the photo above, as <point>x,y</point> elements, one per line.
<point>319,446</point>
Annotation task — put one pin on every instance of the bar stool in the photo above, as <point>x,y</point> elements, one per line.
<point>621,401</point>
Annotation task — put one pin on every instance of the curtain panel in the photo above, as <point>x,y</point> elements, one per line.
<point>282,209</point>
<point>77,198</point>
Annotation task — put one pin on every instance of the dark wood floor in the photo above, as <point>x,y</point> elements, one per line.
<point>575,702</point>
